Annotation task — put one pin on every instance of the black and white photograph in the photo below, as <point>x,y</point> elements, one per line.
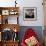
<point>30,13</point>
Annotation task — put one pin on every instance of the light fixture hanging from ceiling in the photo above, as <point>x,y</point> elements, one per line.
<point>15,3</point>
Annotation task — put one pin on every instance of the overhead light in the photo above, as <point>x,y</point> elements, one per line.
<point>15,3</point>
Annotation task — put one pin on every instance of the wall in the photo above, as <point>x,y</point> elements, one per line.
<point>38,5</point>
<point>27,3</point>
<point>12,20</point>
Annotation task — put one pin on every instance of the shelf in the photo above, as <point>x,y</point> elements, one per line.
<point>9,15</point>
<point>11,41</point>
<point>9,10</point>
<point>10,26</point>
<point>9,22</point>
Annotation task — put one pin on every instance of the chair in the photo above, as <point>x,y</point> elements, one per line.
<point>28,34</point>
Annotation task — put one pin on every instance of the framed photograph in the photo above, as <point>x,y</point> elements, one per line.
<point>5,12</point>
<point>30,13</point>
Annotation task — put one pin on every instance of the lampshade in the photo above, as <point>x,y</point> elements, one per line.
<point>15,30</point>
<point>15,3</point>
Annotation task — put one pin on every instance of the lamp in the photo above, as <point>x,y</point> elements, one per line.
<point>15,30</point>
<point>15,3</point>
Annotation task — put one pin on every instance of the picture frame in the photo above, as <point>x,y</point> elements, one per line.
<point>5,12</point>
<point>13,12</point>
<point>30,13</point>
